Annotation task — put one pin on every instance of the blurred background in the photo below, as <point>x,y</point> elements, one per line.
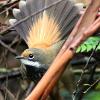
<point>14,86</point>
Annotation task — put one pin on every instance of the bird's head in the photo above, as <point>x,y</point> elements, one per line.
<point>33,57</point>
<point>34,63</point>
<point>37,60</point>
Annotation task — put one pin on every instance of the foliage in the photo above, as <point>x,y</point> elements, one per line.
<point>93,95</point>
<point>89,45</point>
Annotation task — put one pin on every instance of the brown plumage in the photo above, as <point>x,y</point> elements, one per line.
<point>46,31</point>
<point>47,27</point>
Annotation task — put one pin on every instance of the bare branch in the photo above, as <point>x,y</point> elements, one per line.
<point>10,49</point>
<point>58,64</point>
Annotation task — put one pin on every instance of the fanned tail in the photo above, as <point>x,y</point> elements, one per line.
<point>47,27</point>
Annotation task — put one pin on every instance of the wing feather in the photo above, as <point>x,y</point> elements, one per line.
<point>50,25</point>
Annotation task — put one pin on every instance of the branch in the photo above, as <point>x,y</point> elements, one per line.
<point>10,75</point>
<point>8,47</point>
<point>24,19</point>
<point>9,6</point>
<point>78,35</point>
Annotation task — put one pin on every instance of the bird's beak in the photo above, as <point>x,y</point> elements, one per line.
<point>19,57</point>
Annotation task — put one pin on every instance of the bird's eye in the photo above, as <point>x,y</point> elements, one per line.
<point>30,55</point>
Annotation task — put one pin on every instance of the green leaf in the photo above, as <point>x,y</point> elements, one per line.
<point>89,48</point>
<point>83,48</point>
<point>89,44</point>
<point>78,49</point>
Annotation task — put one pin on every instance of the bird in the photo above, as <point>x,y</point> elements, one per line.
<point>45,29</point>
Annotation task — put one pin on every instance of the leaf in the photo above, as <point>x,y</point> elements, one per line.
<point>89,48</point>
<point>83,48</point>
<point>89,44</point>
<point>78,49</point>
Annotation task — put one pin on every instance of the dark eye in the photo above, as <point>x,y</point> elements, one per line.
<point>30,56</point>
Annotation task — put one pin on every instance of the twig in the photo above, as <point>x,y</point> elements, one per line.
<point>79,71</point>
<point>11,6</point>
<point>91,72</point>
<point>82,87</point>
<point>10,75</point>
<point>69,39</point>
<point>84,69</point>
<point>26,18</point>
<point>16,39</point>
<point>10,49</point>
<point>68,42</point>
<point>96,82</point>
<point>58,64</point>
<point>12,97</point>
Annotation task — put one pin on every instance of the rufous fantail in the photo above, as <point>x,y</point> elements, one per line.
<point>44,31</point>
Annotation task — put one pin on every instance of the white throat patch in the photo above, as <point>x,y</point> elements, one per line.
<point>31,63</point>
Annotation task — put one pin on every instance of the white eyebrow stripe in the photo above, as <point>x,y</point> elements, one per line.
<point>27,62</point>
